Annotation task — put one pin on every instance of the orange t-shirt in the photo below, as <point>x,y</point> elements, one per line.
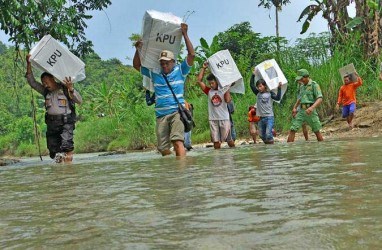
<point>252,117</point>
<point>346,95</point>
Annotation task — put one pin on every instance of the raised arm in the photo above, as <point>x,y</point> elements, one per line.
<point>252,85</point>
<point>200,76</point>
<point>359,81</point>
<point>277,97</point>
<point>190,48</point>
<point>30,78</point>
<point>137,60</point>
<point>73,94</point>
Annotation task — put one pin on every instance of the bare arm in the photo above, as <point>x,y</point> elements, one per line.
<point>190,48</point>
<point>315,104</point>
<point>200,76</point>
<point>227,97</point>
<point>137,60</point>
<point>294,110</point>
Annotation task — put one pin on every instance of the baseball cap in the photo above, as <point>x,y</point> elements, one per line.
<point>301,73</point>
<point>166,55</point>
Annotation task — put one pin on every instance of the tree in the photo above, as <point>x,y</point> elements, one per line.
<point>27,21</point>
<point>367,22</point>
<point>246,46</point>
<point>277,4</point>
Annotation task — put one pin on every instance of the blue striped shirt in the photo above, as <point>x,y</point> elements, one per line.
<point>165,102</point>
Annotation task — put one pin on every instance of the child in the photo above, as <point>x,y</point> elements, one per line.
<point>60,115</point>
<point>253,119</point>
<point>218,115</point>
<point>265,108</point>
<point>346,97</point>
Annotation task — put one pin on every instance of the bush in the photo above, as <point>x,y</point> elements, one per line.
<point>27,149</point>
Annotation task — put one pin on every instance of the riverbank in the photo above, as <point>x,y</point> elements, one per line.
<point>367,123</point>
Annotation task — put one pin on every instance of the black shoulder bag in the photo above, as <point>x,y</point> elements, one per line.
<point>185,114</point>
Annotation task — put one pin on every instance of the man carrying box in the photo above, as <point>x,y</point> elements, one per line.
<point>60,115</point>
<point>169,127</point>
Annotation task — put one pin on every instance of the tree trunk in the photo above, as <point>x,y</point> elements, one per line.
<point>370,29</point>
<point>277,29</point>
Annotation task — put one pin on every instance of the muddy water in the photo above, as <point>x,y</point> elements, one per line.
<point>284,196</point>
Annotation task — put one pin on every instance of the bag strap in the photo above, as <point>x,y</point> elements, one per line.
<point>172,91</point>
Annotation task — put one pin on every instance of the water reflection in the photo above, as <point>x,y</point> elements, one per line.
<point>303,196</point>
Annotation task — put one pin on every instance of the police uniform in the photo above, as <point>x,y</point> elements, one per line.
<point>60,116</point>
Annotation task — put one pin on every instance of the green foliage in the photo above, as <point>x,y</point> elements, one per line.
<point>247,47</point>
<point>356,21</point>
<point>273,3</point>
<point>7,143</point>
<point>115,90</point>
<point>28,21</point>
<point>95,134</point>
<point>27,149</point>
<point>24,129</point>
<point>309,13</point>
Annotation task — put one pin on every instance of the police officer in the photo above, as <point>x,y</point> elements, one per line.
<point>60,115</point>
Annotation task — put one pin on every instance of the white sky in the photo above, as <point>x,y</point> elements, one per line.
<point>110,29</point>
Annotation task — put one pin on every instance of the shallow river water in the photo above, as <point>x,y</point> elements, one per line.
<point>305,195</point>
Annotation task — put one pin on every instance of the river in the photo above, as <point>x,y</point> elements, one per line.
<point>305,195</point>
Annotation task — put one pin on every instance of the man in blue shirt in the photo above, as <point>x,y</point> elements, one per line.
<point>169,127</point>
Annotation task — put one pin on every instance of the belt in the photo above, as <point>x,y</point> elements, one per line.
<point>54,117</point>
<point>306,105</point>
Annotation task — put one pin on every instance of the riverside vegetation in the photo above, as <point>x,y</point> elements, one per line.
<point>114,116</point>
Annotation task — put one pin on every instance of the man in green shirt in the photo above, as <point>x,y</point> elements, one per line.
<point>310,98</point>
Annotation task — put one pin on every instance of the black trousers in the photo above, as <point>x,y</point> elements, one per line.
<point>59,136</point>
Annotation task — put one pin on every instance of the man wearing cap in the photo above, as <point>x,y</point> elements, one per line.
<point>169,127</point>
<point>310,98</point>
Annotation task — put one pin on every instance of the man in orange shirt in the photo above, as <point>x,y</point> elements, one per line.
<point>346,96</point>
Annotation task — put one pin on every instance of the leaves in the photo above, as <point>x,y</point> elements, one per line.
<point>26,22</point>
<point>354,22</point>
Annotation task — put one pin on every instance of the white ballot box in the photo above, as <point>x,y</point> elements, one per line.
<point>226,72</point>
<point>51,56</point>
<point>350,71</point>
<point>147,83</point>
<point>160,31</point>
<point>271,73</point>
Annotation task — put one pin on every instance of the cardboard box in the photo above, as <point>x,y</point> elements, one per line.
<point>270,71</point>
<point>160,31</point>
<point>350,71</point>
<point>51,56</point>
<point>226,72</point>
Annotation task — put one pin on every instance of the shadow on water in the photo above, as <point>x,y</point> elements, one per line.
<point>304,195</point>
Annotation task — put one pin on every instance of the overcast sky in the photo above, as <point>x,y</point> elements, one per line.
<point>110,29</point>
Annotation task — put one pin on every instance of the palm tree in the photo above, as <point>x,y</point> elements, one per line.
<point>277,4</point>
